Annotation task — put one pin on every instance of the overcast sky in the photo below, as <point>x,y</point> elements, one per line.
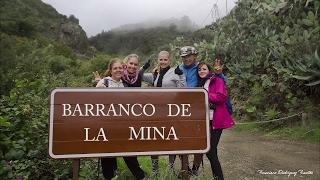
<point>98,15</point>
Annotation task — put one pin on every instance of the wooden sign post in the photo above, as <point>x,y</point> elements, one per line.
<point>104,122</point>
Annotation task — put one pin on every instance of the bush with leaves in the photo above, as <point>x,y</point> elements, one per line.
<point>31,69</point>
<point>269,52</point>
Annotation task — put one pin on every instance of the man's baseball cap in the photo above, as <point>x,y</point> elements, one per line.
<point>187,50</point>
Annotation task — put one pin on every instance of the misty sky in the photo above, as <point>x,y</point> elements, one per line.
<point>98,15</point>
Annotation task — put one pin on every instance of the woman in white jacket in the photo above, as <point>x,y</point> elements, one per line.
<point>164,76</point>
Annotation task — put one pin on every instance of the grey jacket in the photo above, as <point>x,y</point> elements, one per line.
<point>170,79</point>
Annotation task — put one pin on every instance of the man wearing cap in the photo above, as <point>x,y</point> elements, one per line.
<point>189,69</point>
<point>189,66</point>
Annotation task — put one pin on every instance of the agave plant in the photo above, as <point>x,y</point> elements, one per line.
<point>307,69</point>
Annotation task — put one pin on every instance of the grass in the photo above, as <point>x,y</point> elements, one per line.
<point>164,172</point>
<point>89,167</point>
<point>297,132</point>
<point>246,127</point>
<point>145,163</point>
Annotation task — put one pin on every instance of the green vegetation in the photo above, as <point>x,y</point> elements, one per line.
<point>272,64</point>
<point>247,128</point>
<point>33,62</point>
<point>88,169</point>
<point>298,133</point>
<point>30,69</point>
<point>146,165</point>
<point>35,19</point>
<point>309,134</point>
<point>270,47</point>
<point>271,57</point>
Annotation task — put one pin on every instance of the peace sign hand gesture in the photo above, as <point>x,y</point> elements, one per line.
<point>97,76</point>
<point>217,67</point>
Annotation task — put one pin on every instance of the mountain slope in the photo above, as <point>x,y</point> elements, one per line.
<point>142,38</point>
<point>31,18</point>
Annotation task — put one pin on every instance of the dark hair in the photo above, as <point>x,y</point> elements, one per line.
<point>200,64</point>
<point>220,57</point>
<point>201,81</point>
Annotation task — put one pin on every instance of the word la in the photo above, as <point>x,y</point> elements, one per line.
<point>101,135</point>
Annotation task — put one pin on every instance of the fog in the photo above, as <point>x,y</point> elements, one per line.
<point>98,15</point>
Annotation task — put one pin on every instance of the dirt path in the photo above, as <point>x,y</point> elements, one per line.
<point>249,156</point>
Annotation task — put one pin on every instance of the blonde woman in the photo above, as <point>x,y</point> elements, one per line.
<point>109,164</point>
<point>167,77</point>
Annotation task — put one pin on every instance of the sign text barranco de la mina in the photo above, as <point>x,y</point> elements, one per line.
<point>102,122</point>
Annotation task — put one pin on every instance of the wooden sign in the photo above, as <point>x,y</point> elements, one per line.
<point>97,122</point>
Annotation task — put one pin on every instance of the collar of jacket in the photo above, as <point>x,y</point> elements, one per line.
<point>164,70</point>
<point>191,66</point>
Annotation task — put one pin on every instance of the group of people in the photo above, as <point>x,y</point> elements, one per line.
<point>191,73</point>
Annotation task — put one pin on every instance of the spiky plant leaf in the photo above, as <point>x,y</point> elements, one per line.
<point>313,83</point>
<point>305,78</point>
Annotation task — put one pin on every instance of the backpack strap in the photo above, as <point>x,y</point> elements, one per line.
<point>106,82</point>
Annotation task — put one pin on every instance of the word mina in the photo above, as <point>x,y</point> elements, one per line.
<point>144,133</point>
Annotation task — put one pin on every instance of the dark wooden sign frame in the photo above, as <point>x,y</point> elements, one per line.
<point>198,111</point>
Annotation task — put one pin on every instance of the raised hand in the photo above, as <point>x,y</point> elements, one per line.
<point>217,68</point>
<point>147,64</point>
<point>97,76</point>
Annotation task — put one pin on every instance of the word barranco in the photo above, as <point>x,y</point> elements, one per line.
<point>122,110</point>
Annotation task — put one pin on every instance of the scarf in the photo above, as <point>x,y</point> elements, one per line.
<point>161,74</point>
<point>202,81</point>
<point>130,78</point>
